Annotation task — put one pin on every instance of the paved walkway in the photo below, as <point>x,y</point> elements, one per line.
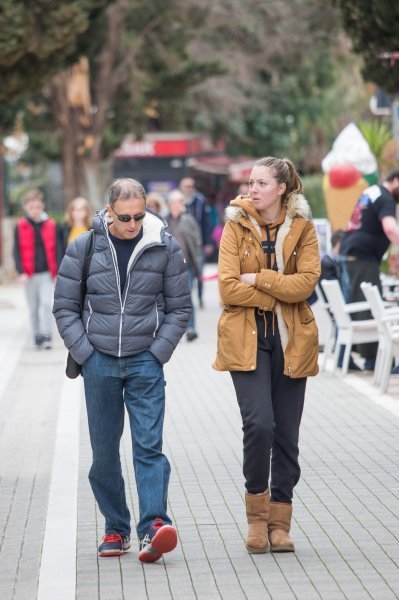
<point>346,525</point>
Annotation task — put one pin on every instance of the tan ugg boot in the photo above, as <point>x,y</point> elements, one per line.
<point>257,507</point>
<point>279,527</point>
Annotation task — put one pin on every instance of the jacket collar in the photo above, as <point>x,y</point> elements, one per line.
<point>240,209</point>
<point>153,226</point>
<point>297,206</point>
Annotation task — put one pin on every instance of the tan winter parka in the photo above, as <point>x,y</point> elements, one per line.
<point>284,291</point>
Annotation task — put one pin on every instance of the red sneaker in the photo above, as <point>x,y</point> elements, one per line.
<point>161,539</point>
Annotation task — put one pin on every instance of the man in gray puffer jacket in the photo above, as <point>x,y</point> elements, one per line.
<point>135,312</point>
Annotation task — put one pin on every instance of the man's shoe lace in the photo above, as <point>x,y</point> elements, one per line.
<point>145,541</point>
<point>108,538</point>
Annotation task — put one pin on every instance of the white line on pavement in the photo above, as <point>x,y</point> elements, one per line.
<point>10,351</point>
<point>57,577</point>
<point>373,394</point>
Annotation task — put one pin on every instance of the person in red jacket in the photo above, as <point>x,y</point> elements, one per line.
<point>35,256</point>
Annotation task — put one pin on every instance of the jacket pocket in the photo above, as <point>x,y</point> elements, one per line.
<point>305,313</point>
<point>90,313</point>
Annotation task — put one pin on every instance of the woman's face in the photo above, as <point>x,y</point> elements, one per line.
<point>79,212</point>
<point>264,189</point>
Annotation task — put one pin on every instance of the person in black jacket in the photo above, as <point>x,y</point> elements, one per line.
<point>371,229</point>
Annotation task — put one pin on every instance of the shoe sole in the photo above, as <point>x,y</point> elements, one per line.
<point>282,549</point>
<point>165,540</point>
<point>257,550</point>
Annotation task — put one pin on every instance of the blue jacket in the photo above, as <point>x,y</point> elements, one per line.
<point>152,312</point>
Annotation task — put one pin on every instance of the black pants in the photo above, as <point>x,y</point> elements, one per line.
<point>271,406</point>
<point>358,271</point>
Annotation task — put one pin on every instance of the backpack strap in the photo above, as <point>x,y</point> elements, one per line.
<point>86,267</point>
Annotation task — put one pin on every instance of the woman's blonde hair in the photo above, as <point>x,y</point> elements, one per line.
<point>284,172</point>
<point>68,212</point>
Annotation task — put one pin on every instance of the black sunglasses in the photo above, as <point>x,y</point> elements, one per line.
<point>127,218</point>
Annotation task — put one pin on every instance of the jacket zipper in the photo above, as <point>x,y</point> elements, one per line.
<point>91,312</point>
<point>157,315</point>
<point>118,284</point>
<point>118,281</point>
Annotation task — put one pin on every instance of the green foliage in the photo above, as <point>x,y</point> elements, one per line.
<point>152,74</point>
<point>377,134</point>
<point>38,39</point>
<point>371,26</point>
<point>285,89</point>
<point>268,77</point>
<point>21,178</point>
<point>313,192</point>
<point>159,33</point>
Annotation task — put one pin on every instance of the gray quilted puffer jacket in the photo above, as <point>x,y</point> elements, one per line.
<point>151,314</point>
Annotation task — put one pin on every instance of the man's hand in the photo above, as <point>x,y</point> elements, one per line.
<point>248,278</point>
<point>208,249</point>
<point>23,278</point>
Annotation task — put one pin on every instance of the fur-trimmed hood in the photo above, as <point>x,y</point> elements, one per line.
<point>242,206</point>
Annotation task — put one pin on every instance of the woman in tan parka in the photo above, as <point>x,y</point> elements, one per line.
<point>269,263</point>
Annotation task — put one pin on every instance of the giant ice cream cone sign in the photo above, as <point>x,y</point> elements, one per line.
<point>349,168</point>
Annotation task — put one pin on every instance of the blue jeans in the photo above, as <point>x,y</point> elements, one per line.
<point>110,384</point>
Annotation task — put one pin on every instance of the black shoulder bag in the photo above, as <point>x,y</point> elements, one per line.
<point>74,369</point>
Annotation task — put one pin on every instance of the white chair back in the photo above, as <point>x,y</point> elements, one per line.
<point>373,297</point>
<point>336,301</point>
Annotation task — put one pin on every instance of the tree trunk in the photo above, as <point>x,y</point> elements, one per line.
<point>69,119</point>
<point>82,131</point>
<point>92,176</point>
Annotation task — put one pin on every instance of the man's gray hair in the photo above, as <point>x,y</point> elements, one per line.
<point>175,196</point>
<point>124,189</point>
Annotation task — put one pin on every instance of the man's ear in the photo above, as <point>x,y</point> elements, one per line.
<point>108,216</point>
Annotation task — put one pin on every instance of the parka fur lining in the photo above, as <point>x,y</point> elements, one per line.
<point>297,206</point>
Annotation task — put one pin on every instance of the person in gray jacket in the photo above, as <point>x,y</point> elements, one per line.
<point>185,229</point>
<point>136,310</point>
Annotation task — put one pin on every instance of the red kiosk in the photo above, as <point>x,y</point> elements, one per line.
<point>160,160</point>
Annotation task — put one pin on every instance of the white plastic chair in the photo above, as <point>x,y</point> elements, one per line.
<point>387,319</point>
<point>348,332</point>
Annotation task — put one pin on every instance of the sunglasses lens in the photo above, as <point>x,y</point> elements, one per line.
<point>124,218</point>
<point>138,217</point>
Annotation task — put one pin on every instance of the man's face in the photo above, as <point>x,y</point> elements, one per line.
<point>134,207</point>
<point>34,209</point>
<point>187,187</point>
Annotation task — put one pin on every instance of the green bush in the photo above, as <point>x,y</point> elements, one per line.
<point>313,192</point>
